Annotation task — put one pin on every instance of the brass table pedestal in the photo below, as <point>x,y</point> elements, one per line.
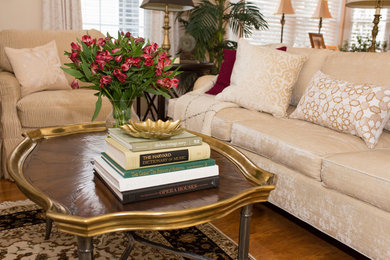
<point>52,167</point>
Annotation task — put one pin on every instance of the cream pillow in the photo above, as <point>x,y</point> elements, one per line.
<point>357,109</point>
<point>37,68</point>
<point>262,79</point>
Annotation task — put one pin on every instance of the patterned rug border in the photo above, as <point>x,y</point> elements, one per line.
<point>209,230</point>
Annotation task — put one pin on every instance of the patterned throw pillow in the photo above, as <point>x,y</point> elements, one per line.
<point>357,109</point>
<point>37,68</point>
<point>262,79</point>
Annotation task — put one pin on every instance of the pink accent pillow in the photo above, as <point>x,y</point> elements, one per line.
<point>223,80</point>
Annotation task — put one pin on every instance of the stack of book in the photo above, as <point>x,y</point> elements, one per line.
<point>137,169</point>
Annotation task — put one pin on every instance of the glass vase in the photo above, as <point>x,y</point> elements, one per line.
<point>120,114</point>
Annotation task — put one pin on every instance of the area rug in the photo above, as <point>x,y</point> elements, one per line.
<point>22,229</point>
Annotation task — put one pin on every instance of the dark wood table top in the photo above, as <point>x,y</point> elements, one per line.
<point>57,173</point>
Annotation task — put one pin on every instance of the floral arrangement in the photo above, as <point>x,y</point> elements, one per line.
<point>120,69</point>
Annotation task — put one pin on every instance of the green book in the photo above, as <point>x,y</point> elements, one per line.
<point>158,169</point>
<point>141,144</point>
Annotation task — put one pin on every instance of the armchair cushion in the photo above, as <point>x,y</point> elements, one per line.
<point>60,107</point>
<point>37,68</point>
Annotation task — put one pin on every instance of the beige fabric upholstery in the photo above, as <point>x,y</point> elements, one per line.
<point>315,59</point>
<point>18,39</point>
<point>204,83</point>
<point>60,107</point>
<point>296,144</point>
<point>356,224</point>
<point>362,175</point>
<point>221,127</point>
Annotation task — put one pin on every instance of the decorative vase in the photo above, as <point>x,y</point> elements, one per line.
<point>120,114</point>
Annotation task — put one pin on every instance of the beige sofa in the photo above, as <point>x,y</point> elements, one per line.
<point>44,108</point>
<point>326,178</point>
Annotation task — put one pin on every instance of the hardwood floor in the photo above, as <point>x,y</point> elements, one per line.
<point>274,233</point>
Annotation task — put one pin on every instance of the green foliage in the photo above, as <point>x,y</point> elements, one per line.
<point>209,21</point>
<point>363,44</point>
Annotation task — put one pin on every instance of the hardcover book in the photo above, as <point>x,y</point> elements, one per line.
<point>132,160</point>
<point>126,184</point>
<point>157,169</point>
<point>140,144</point>
<point>160,190</point>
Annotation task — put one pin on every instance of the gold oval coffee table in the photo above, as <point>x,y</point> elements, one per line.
<point>52,167</point>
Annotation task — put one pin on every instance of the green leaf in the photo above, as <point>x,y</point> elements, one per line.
<point>86,70</point>
<point>75,73</point>
<point>98,106</point>
<point>86,50</point>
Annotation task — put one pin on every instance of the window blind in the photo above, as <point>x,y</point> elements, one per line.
<point>297,25</point>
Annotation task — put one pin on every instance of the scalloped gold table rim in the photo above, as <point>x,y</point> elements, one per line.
<point>136,220</point>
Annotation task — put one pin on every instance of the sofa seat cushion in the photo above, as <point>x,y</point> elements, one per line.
<point>297,144</point>
<point>221,127</point>
<point>60,107</point>
<point>363,175</point>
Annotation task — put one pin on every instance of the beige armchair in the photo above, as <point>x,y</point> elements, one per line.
<point>45,108</point>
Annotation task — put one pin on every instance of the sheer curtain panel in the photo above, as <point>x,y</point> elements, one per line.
<point>61,15</point>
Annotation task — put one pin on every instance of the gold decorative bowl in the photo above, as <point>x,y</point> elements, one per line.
<point>153,130</point>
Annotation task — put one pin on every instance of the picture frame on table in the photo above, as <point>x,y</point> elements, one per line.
<point>317,40</point>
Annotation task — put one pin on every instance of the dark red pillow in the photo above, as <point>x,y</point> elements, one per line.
<point>223,80</point>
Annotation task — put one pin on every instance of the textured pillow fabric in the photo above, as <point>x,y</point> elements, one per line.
<point>223,80</point>
<point>357,109</point>
<point>37,68</point>
<point>262,79</point>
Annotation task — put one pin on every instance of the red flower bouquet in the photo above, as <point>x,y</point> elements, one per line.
<point>120,69</point>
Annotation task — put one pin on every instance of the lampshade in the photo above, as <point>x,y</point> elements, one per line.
<point>173,5</point>
<point>366,3</point>
<point>322,10</point>
<point>285,7</point>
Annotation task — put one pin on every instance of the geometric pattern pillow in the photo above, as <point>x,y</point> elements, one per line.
<point>37,68</point>
<point>357,109</point>
<point>262,79</point>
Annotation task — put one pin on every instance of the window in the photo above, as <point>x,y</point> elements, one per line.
<point>362,24</point>
<point>113,15</point>
<point>298,25</point>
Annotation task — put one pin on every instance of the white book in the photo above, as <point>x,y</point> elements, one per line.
<point>126,184</point>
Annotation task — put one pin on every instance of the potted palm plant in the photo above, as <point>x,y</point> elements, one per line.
<point>209,21</point>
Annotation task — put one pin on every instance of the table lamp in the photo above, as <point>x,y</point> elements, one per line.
<point>377,4</point>
<point>167,6</point>
<point>285,7</point>
<point>322,11</point>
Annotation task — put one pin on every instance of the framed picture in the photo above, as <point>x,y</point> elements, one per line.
<point>317,41</point>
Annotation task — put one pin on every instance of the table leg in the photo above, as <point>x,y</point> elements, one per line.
<point>243,240</point>
<point>49,226</point>
<point>85,248</point>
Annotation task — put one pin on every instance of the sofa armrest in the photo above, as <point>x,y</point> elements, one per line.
<point>10,93</point>
<point>204,83</point>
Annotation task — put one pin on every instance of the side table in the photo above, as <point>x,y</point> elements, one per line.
<point>156,108</point>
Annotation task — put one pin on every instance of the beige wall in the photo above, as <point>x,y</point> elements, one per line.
<point>20,14</point>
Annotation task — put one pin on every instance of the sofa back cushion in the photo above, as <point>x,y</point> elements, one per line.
<point>18,39</point>
<point>314,62</point>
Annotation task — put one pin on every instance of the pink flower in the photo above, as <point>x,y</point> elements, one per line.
<point>128,34</point>
<point>104,81</point>
<point>108,38</point>
<point>163,63</point>
<point>174,82</point>
<point>101,64</point>
<point>88,40</point>
<point>74,57</point>
<point>105,56</point>
<point>120,76</point>
<point>118,59</point>
<point>94,68</point>
<point>75,84</point>
<point>101,42</point>
<point>154,47</point>
<point>75,46</point>
<point>133,61</point>
<point>148,62</point>
<point>125,66</point>
<point>158,72</point>
<point>115,50</point>
<point>139,39</point>
<point>168,83</point>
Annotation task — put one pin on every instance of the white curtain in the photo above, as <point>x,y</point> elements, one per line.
<point>154,21</point>
<point>61,15</point>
